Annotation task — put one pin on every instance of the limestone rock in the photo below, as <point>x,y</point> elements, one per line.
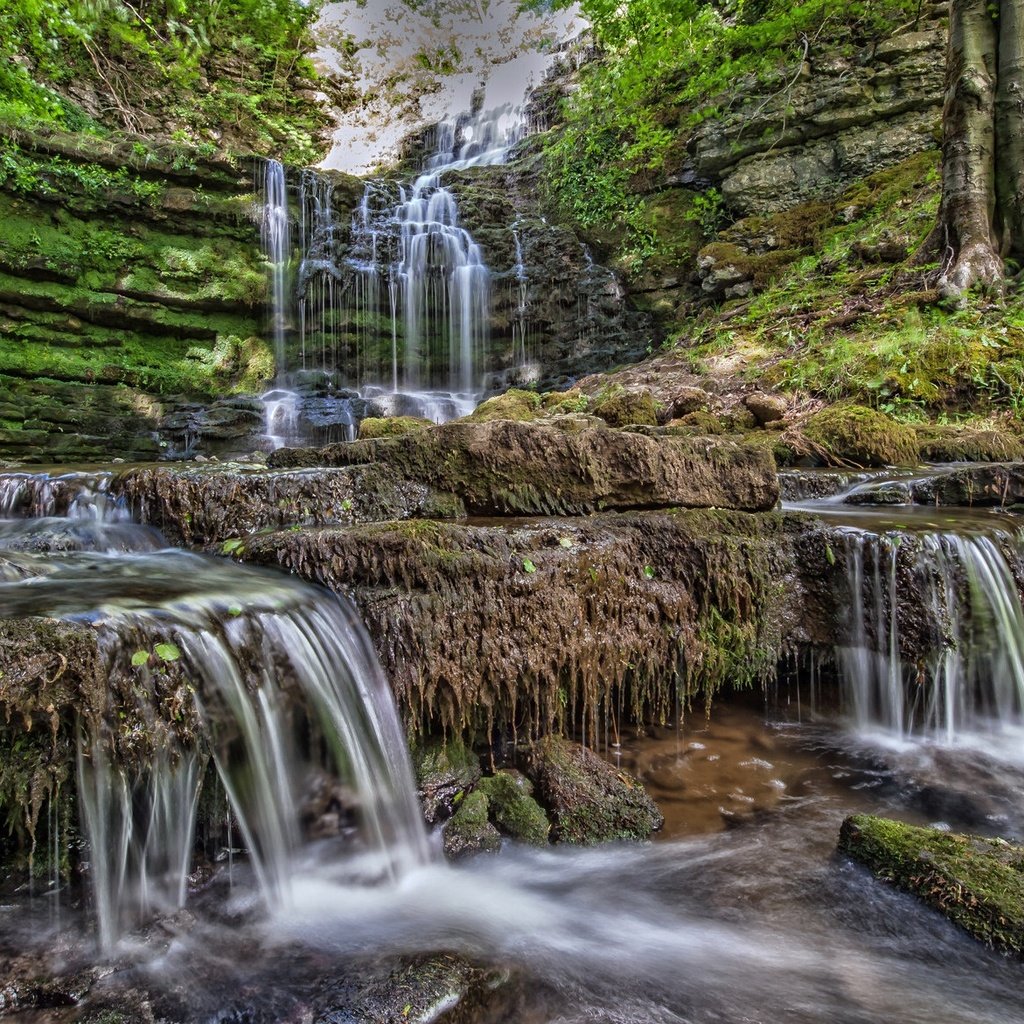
<point>766,408</point>
<point>589,800</point>
<point>507,468</point>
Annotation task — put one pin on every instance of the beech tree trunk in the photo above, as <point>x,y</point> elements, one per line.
<point>1010,130</point>
<point>967,216</point>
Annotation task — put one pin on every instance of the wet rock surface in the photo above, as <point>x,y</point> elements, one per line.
<point>589,800</point>
<point>508,468</point>
<point>977,883</point>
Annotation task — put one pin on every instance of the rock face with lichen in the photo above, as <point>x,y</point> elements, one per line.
<point>977,883</point>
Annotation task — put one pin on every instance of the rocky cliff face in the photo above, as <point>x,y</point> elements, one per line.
<point>130,281</point>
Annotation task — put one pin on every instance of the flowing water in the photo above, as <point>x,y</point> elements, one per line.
<point>740,912</point>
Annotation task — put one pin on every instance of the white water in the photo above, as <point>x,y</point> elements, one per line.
<point>261,654</point>
<point>275,235</point>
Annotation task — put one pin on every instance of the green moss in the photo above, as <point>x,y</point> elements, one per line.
<point>513,808</point>
<point>977,883</point>
<point>854,434</point>
<point>390,426</point>
<point>621,408</point>
<point>968,444</point>
<point>560,403</point>
<point>469,831</point>
<point>514,404</point>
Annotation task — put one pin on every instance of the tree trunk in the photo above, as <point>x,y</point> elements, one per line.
<point>968,148</point>
<point>1009,125</point>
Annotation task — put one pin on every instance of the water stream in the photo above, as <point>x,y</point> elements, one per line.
<point>739,912</point>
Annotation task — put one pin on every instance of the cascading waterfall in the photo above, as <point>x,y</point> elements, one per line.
<point>973,679</point>
<point>407,311</point>
<point>238,674</point>
<point>275,236</point>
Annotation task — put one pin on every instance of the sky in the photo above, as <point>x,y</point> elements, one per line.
<point>499,47</point>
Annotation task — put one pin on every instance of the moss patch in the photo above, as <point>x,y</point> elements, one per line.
<point>620,408</point>
<point>469,831</point>
<point>514,404</point>
<point>977,883</point>
<point>855,434</point>
<point>513,808</point>
<point>390,426</point>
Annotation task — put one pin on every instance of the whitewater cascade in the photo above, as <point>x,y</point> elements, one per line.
<point>262,687</point>
<point>966,589</point>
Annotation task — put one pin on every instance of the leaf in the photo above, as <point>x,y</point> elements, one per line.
<point>830,555</point>
<point>232,546</point>
<point>565,542</point>
<point>649,572</point>
<point>167,652</point>
<point>528,566</point>
<point>140,658</point>
<point>235,609</point>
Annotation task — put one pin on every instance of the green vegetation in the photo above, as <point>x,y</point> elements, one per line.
<point>977,883</point>
<point>206,72</point>
<point>513,808</point>
<point>862,436</point>
<point>667,67</point>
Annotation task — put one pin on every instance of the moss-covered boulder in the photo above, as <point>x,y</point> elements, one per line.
<point>977,883</point>
<point>589,801</point>
<point>514,404</point>
<point>968,444</point>
<point>509,468</point>
<point>444,770</point>
<point>620,408</point>
<point>390,426</point>
<point>849,433</point>
<point>469,831</point>
<point>513,808</point>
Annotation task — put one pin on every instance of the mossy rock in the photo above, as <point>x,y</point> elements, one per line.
<point>621,408</point>
<point>855,434</point>
<point>564,403</point>
<point>390,426</point>
<point>514,404</point>
<point>977,883</point>
<point>513,808</point>
<point>702,422</point>
<point>589,801</point>
<point>469,831</point>
<point>444,770</point>
<point>967,444</point>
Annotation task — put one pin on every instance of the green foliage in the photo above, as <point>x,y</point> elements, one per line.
<point>668,65</point>
<point>200,66</point>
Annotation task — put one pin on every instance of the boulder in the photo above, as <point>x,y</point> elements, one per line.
<point>513,808</point>
<point>864,437</point>
<point>444,771</point>
<point>588,799</point>
<point>468,832</point>
<point>766,408</point>
<point>977,883</point>
<point>507,468</point>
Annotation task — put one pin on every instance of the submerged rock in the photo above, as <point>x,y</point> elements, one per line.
<point>469,831</point>
<point>510,468</point>
<point>977,883</point>
<point>589,800</point>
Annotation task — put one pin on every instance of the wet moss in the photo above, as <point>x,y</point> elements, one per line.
<point>855,434</point>
<point>445,770</point>
<point>513,808</point>
<point>968,444</point>
<point>469,831</point>
<point>390,426</point>
<point>514,404</point>
<point>977,883</point>
<point>590,802</point>
<point>621,408</point>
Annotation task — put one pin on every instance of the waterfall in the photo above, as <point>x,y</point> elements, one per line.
<point>276,241</point>
<point>406,311</point>
<point>216,672</point>
<point>954,600</point>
